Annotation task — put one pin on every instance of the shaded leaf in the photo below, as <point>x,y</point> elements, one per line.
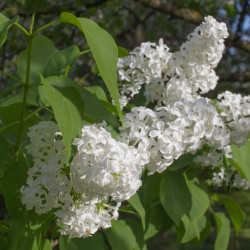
<point>156,220</point>
<point>13,179</point>
<point>136,227</point>
<point>4,149</point>
<point>45,59</point>
<point>182,161</point>
<point>175,195</point>
<point>93,107</point>
<point>11,116</point>
<point>32,98</point>
<point>120,236</point>
<point>5,24</point>
<point>96,241</point>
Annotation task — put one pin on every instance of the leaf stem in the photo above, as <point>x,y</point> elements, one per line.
<point>67,70</point>
<point>46,26</point>
<point>32,23</point>
<point>127,211</point>
<point>10,76</point>
<point>25,96</point>
<point>85,51</point>
<point>22,28</point>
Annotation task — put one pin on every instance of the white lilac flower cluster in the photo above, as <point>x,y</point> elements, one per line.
<point>47,188</point>
<point>104,172</point>
<point>222,175</point>
<point>145,63</point>
<point>102,169</point>
<point>169,77</point>
<point>167,133</point>
<point>105,167</point>
<point>235,111</point>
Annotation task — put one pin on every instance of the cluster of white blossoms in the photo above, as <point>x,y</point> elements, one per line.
<point>85,194</point>
<point>222,175</point>
<point>164,134</point>
<point>235,111</point>
<point>85,218</point>
<point>144,64</point>
<point>169,77</point>
<point>47,187</point>
<point>103,169</point>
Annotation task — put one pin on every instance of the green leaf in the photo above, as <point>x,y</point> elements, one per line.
<point>175,195</point>
<point>138,233</point>
<point>200,201</point>
<point>11,117</point>
<point>242,158</point>
<point>182,161</point>
<point>19,237</point>
<point>122,52</point>
<point>223,231</point>
<point>96,241</point>
<point>5,24</point>
<point>4,150</point>
<point>189,230</point>
<point>13,179</point>
<point>234,211</point>
<point>47,245</point>
<point>45,59</point>
<point>120,236</point>
<point>135,202</point>
<point>93,107</point>
<point>204,233</point>
<point>104,51</point>
<point>66,104</point>
<point>98,92</point>
<point>35,246</point>
<point>156,220</point>
<point>151,188</point>
<point>32,99</point>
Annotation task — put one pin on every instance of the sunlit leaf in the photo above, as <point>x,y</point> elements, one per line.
<point>104,51</point>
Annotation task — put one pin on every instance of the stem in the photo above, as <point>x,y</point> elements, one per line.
<point>10,76</point>
<point>10,89</point>
<point>24,155</point>
<point>127,211</point>
<point>85,51</point>
<point>67,70</point>
<point>22,28</point>
<point>32,23</point>
<point>25,96</point>
<point>46,26</point>
<point>31,114</point>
